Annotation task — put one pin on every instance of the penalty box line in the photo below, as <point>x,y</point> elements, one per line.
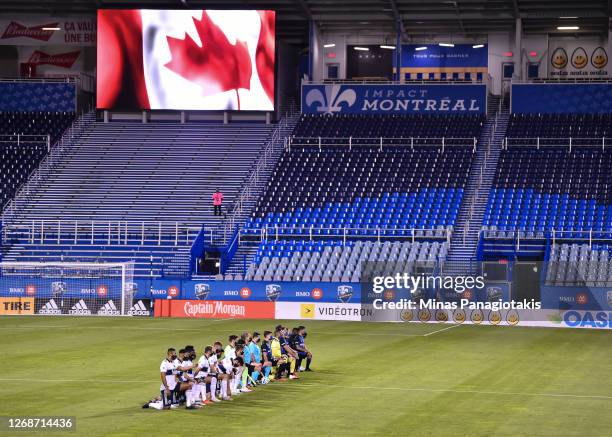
<point>347,387</point>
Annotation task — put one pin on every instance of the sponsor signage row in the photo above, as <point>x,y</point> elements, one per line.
<point>556,298</point>
<point>218,309</point>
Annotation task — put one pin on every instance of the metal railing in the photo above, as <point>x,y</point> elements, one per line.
<point>384,81</point>
<point>518,237</point>
<point>312,233</point>
<point>44,169</point>
<point>100,232</point>
<point>542,142</point>
<point>562,80</point>
<point>60,79</point>
<point>380,142</point>
<point>250,192</point>
<point>26,140</point>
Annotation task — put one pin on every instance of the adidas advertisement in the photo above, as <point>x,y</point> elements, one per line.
<point>80,309</point>
<point>48,308</point>
<point>140,309</point>
<point>109,309</point>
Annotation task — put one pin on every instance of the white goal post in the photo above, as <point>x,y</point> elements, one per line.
<point>71,288</point>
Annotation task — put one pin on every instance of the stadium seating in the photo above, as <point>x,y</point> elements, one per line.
<point>559,126</point>
<point>336,193</point>
<point>574,265</point>
<point>35,123</point>
<point>389,126</point>
<point>132,191</point>
<point>20,152</point>
<point>367,189</point>
<point>555,190</point>
<point>335,261</point>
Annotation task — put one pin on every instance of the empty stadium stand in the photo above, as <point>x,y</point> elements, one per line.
<point>335,261</point>
<point>329,191</point>
<point>25,138</point>
<point>137,191</point>
<point>561,189</point>
<point>580,265</point>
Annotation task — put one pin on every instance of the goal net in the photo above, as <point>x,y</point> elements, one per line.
<point>54,288</point>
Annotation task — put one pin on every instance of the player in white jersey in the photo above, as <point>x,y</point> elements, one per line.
<point>202,377</point>
<point>222,372</point>
<point>229,356</point>
<point>192,391</point>
<point>168,377</point>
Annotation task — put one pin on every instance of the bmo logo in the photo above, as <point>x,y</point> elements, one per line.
<point>102,290</point>
<point>317,293</point>
<point>245,292</point>
<point>173,291</point>
<point>30,290</point>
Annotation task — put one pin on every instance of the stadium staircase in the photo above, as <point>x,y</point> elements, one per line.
<point>464,241</point>
<point>131,191</point>
<point>251,193</point>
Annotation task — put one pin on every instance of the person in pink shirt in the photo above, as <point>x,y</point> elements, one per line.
<point>217,201</point>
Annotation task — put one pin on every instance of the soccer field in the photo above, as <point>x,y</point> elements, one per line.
<point>384,379</point>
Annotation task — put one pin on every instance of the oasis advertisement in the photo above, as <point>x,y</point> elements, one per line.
<point>394,99</point>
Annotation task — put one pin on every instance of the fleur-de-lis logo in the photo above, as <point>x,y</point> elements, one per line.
<point>332,100</point>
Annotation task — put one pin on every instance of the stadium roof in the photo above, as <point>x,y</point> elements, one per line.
<point>420,18</point>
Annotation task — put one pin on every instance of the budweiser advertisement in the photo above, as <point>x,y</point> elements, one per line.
<point>214,309</point>
<point>59,31</point>
<point>186,59</point>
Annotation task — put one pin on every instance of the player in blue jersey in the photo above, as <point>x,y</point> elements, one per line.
<point>299,344</point>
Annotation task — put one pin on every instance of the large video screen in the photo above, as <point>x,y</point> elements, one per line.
<point>186,59</point>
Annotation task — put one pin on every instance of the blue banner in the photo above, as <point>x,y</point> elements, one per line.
<point>35,96</point>
<point>435,56</point>
<point>591,98</point>
<point>394,99</point>
<point>577,298</point>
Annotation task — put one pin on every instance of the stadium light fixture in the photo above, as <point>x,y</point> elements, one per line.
<point>568,18</point>
<point>328,46</point>
<point>418,49</point>
<point>446,44</point>
<point>50,28</point>
<point>363,49</point>
<point>478,46</point>
<point>568,28</point>
<point>383,46</point>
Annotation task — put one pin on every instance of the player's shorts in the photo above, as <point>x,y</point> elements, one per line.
<point>302,354</point>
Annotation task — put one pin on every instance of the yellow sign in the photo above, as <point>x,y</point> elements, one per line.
<point>307,311</point>
<point>16,305</point>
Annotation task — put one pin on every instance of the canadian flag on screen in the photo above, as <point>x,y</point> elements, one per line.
<point>205,59</point>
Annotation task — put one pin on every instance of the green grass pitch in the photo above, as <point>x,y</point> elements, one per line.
<point>370,379</point>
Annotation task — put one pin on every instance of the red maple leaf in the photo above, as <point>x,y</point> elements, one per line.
<point>217,66</point>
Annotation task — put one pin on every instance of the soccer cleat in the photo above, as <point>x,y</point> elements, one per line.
<point>309,370</point>
<point>246,390</point>
<point>294,377</point>
<point>173,407</point>
<point>227,398</point>
<point>216,400</point>
<point>264,381</point>
<point>302,369</point>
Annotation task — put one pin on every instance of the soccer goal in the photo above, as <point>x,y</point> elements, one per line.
<point>71,288</point>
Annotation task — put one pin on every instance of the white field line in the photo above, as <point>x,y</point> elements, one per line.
<point>347,387</point>
<point>440,330</point>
